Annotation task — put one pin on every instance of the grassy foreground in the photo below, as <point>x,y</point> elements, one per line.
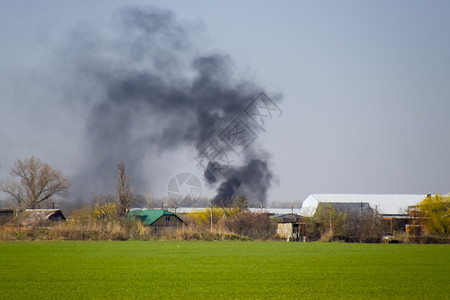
<point>193,270</point>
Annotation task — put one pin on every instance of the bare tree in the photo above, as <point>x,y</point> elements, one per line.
<point>124,193</point>
<point>241,202</point>
<point>38,182</point>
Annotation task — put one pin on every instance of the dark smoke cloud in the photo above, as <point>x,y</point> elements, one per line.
<point>252,180</point>
<point>145,88</point>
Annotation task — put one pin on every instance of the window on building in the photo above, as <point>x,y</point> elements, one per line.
<point>167,218</point>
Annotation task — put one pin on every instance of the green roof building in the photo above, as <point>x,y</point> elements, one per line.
<point>156,217</point>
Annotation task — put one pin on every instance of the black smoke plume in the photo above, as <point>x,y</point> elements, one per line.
<point>252,180</point>
<point>145,87</point>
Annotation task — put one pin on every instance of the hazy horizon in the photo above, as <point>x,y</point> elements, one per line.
<point>363,91</point>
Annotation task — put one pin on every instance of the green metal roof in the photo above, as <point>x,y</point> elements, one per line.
<point>149,216</point>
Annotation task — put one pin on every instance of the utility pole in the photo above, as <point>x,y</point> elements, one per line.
<point>331,225</point>
<point>211,212</point>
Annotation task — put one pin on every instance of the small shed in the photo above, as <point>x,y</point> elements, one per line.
<point>35,217</point>
<point>158,218</point>
<point>290,226</point>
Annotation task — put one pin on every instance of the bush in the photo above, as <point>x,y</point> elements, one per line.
<point>434,211</point>
<point>427,240</point>
<point>339,225</point>
<point>202,218</point>
<point>190,232</point>
<point>253,225</point>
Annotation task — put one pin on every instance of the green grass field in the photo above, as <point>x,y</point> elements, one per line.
<point>251,270</point>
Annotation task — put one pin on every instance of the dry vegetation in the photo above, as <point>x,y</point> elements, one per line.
<point>101,222</point>
<point>106,218</point>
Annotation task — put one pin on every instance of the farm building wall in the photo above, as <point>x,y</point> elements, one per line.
<point>168,220</point>
<point>284,230</point>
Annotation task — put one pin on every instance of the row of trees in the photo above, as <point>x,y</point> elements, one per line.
<point>431,218</point>
<point>37,182</point>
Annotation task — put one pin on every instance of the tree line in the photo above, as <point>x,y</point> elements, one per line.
<point>36,182</point>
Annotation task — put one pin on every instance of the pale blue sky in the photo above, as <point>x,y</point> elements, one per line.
<point>365,85</point>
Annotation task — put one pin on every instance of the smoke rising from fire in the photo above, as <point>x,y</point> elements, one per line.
<point>145,87</point>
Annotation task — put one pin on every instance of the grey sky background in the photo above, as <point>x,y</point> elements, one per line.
<point>365,88</point>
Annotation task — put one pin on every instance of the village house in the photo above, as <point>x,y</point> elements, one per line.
<point>157,218</point>
<point>37,217</point>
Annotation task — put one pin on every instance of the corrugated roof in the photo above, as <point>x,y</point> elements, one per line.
<point>383,203</point>
<point>149,216</point>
